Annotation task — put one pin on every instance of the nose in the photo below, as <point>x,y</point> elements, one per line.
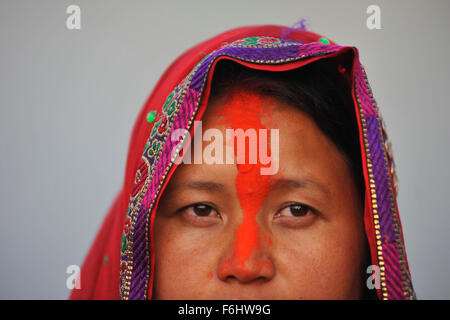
<point>257,267</point>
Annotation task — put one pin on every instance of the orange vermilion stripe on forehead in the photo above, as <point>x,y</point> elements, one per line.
<point>243,111</point>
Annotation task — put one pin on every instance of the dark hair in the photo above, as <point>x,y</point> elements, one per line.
<point>317,89</point>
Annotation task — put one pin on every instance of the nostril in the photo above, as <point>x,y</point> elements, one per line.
<point>246,272</point>
<point>246,279</point>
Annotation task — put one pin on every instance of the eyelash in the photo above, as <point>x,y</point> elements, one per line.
<point>192,206</point>
<point>303,206</point>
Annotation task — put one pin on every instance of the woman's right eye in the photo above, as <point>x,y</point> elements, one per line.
<point>201,210</point>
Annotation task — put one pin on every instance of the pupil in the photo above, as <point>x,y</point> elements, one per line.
<point>298,210</point>
<point>202,210</point>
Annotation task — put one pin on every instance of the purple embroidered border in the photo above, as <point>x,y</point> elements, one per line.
<point>188,97</point>
<point>396,275</point>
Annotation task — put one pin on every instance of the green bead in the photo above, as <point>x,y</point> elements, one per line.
<point>151,116</point>
<point>324,40</point>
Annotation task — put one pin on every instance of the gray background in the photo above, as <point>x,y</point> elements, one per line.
<point>69,99</point>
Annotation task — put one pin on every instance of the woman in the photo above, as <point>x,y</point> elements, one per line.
<point>303,213</point>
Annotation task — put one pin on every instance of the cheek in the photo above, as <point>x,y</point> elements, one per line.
<point>302,260</point>
<point>320,263</point>
<point>190,249</point>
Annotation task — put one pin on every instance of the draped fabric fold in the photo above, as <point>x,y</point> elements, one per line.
<point>120,262</point>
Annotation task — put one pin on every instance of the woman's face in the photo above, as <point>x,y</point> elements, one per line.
<point>224,231</point>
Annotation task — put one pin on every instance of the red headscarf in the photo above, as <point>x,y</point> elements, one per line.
<point>100,274</point>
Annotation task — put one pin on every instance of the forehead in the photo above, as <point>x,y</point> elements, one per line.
<point>303,149</point>
<point>250,110</point>
<point>241,108</point>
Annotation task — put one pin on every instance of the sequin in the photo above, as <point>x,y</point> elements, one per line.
<point>151,116</point>
<point>324,40</point>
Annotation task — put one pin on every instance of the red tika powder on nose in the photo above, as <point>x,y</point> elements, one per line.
<point>243,110</point>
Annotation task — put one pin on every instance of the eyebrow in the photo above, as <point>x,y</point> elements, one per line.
<point>302,183</point>
<point>276,184</point>
<point>201,185</point>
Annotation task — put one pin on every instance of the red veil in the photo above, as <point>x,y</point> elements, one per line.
<point>120,261</point>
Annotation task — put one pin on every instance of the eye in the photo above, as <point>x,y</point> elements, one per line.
<point>201,210</point>
<point>200,215</point>
<point>294,210</point>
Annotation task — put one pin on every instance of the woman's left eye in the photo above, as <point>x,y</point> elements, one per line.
<point>295,210</point>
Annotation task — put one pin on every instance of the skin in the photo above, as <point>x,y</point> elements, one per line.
<point>223,232</point>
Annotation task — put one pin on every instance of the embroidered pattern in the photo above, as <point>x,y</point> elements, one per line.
<point>263,41</point>
<point>178,112</point>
